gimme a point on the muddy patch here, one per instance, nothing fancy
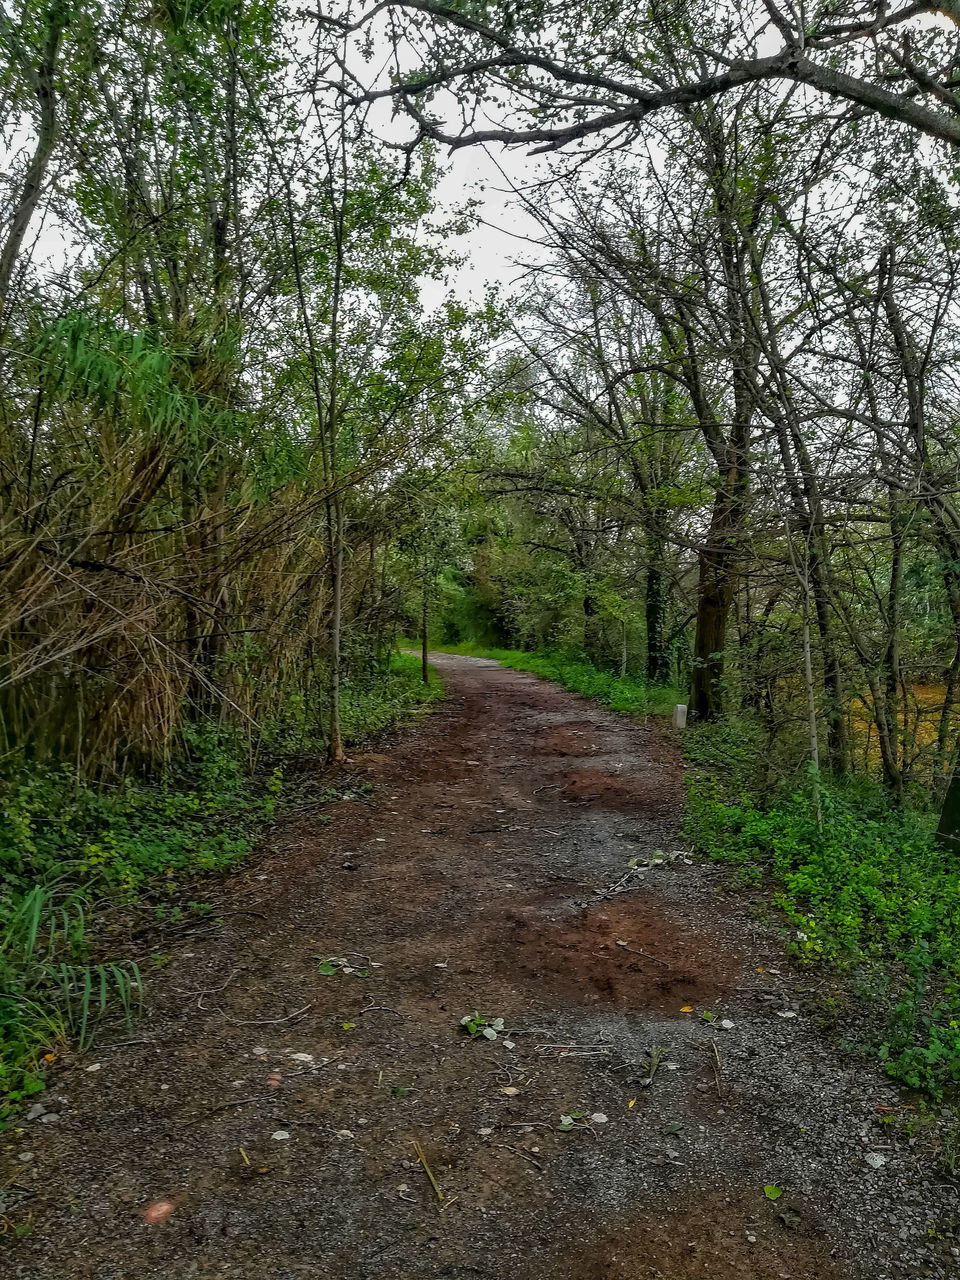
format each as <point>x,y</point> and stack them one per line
<point>721,1238</point>
<point>578,738</point>
<point>621,954</point>
<point>626,792</point>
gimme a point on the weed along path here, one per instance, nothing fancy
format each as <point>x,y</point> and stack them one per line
<point>644,1094</point>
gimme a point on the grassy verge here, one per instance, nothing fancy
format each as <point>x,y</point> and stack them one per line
<point>867,892</point>
<point>625,694</point>
<point>70,853</point>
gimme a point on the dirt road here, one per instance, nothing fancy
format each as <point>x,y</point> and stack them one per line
<point>263,1123</point>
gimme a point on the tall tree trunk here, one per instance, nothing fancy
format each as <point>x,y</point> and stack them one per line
<point>24,205</point>
<point>835,710</point>
<point>658,658</point>
<point>335,751</point>
<point>715,592</point>
<point>424,627</point>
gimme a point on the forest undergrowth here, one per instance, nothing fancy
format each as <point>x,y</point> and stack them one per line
<point>865,889</point>
<point>77,859</point>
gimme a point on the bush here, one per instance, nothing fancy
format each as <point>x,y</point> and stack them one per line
<point>871,890</point>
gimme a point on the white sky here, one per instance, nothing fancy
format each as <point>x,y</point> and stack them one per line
<point>496,248</point>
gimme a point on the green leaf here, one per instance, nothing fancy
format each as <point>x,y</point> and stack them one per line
<point>772,1193</point>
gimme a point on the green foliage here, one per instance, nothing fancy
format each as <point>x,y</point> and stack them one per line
<point>625,694</point>
<point>371,708</point>
<point>68,847</point>
<point>870,893</point>
<point>477,1025</point>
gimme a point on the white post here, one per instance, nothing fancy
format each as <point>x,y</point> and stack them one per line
<point>680,715</point>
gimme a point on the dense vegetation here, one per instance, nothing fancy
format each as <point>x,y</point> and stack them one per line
<point>708,451</point>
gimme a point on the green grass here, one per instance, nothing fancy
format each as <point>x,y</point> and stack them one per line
<point>625,694</point>
<point>71,851</point>
<point>869,893</point>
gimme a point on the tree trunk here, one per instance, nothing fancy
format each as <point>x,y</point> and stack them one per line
<point>715,591</point>
<point>948,831</point>
<point>424,622</point>
<point>28,197</point>
<point>335,752</point>
<point>658,659</point>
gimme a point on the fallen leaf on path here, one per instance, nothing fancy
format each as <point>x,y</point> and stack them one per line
<point>598,1118</point>
<point>280,1135</point>
<point>875,1160</point>
<point>687,1008</point>
<point>786,1013</point>
<point>511,1091</point>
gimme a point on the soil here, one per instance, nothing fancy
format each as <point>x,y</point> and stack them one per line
<point>516,856</point>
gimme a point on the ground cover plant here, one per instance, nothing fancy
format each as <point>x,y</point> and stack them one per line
<point>72,853</point>
<point>865,884</point>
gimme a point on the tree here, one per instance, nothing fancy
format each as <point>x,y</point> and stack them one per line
<point>559,76</point>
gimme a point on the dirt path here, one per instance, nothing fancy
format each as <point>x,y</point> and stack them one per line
<point>268,1110</point>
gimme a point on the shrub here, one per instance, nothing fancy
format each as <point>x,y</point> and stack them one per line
<point>871,890</point>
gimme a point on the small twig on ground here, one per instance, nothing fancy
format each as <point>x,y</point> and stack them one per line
<point>418,1151</point>
<point>505,1146</point>
<point>646,955</point>
<point>237,1102</point>
<point>221,1106</point>
<point>210,991</point>
<point>381,1008</point>
<point>554,786</point>
<point>265,1022</point>
<point>717,1067</point>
